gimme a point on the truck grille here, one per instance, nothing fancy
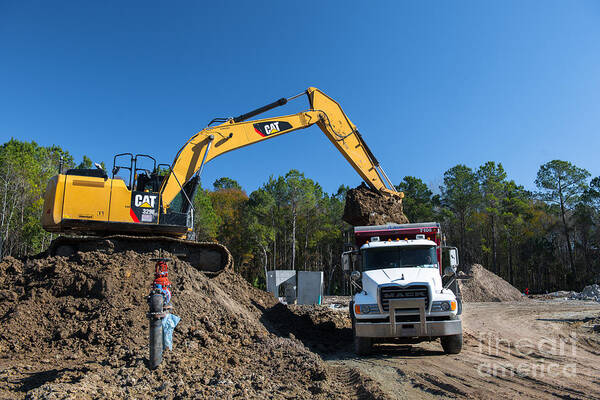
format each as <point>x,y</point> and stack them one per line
<point>396,292</point>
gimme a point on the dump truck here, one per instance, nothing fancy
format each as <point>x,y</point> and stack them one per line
<point>405,286</point>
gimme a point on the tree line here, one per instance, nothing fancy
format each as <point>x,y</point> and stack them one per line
<point>288,223</point>
<point>544,240</point>
<point>25,169</point>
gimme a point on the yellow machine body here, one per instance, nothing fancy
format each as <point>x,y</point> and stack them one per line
<point>74,203</point>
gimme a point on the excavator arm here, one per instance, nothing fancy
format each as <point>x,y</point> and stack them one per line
<point>235,133</point>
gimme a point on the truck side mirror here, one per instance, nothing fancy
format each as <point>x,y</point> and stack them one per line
<point>453,256</point>
<point>450,257</point>
<point>355,275</point>
<point>346,261</point>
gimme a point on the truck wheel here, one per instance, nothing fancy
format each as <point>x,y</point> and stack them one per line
<point>452,344</point>
<point>362,345</point>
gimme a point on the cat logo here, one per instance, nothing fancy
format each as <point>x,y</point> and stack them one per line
<point>144,200</point>
<point>268,128</point>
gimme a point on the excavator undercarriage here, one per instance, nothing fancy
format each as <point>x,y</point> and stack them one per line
<point>209,257</point>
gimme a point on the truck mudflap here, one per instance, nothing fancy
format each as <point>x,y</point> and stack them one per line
<point>421,328</point>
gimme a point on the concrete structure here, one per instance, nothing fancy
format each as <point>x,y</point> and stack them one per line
<point>310,287</point>
<point>285,277</point>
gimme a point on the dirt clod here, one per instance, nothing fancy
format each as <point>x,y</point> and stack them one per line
<point>364,206</point>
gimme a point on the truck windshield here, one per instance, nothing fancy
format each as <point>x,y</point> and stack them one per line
<point>400,257</point>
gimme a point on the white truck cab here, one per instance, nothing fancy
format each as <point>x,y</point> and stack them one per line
<point>399,293</point>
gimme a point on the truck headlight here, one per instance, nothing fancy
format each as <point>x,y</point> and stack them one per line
<point>367,308</point>
<point>444,305</point>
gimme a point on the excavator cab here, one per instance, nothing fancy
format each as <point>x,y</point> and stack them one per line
<point>130,201</point>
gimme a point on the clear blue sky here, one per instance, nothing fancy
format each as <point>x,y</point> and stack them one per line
<point>429,85</point>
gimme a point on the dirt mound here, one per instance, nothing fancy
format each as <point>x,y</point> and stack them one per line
<point>321,329</point>
<point>77,327</point>
<point>365,206</point>
<point>487,286</point>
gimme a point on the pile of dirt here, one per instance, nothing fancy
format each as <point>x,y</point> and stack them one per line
<point>77,327</point>
<point>364,206</point>
<point>487,286</point>
<point>321,329</point>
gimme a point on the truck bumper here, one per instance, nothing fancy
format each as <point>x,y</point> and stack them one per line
<point>421,328</point>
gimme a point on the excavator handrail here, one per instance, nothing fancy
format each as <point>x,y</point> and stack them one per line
<point>238,132</point>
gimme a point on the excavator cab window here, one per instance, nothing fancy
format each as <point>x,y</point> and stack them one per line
<point>159,175</point>
<point>139,172</point>
<point>144,167</point>
<point>144,182</point>
<point>123,162</point>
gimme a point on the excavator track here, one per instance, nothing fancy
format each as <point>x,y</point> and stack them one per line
<point>209,257</point>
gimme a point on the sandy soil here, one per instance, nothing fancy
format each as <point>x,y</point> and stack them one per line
<point>483,285</point>
<point>532,350</point>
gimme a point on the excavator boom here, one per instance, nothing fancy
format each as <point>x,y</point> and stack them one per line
<point>235,133</point>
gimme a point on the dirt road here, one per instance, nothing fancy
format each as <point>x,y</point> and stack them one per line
<point>532,350</point>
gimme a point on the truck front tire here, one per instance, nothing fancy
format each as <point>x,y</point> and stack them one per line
<point>452,344</point>
<point>362,345</point>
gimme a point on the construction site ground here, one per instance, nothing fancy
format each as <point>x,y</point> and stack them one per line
<point>76,328</point>
<point>540,349</point>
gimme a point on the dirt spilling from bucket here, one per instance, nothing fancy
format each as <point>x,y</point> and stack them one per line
<point>364,206</point>
<point>77,328</point>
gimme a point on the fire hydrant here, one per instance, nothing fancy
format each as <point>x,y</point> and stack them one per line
<point>160,308</point>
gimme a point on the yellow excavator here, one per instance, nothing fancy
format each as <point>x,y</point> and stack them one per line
<point>150,205</point>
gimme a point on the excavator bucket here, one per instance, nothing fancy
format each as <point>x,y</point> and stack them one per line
<point>365,206</point>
